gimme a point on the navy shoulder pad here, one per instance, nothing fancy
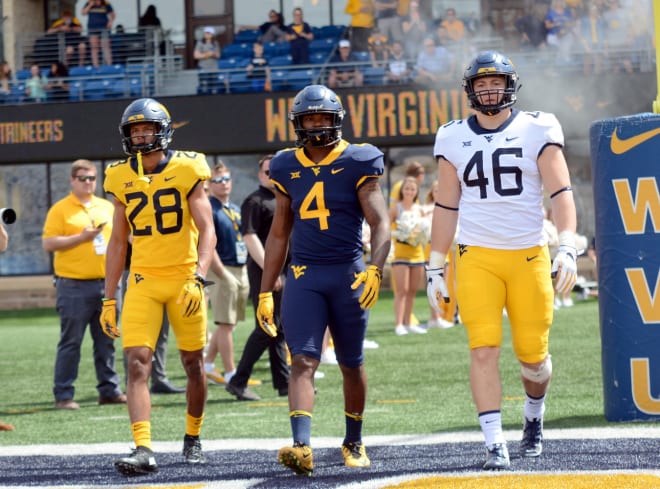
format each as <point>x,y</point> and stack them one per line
<point>365,152</point>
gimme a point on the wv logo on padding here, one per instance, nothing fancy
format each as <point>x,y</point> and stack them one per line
<point>298,270</point>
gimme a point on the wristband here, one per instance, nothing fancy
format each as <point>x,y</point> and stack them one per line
<point>437,259</point>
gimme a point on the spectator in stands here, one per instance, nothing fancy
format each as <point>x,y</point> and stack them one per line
<point>57,86</point>
<point>532,29</point>
<point>362,22</point>
<point>592,39</point>
<point>6,78</point>
<point>379,49</point>
<point>454,25</point>
<point>100,17</point>
<point>258,70</point>
<point>299,34</point>
<point>150,24</point>
<point>387,18</point>
<point>207,50</point>
<point>415,28</point>
<point>435,64</point>
<point>274,30</point>
<point>344,71</point>
<point>399,68</point>
<point>71,29</point>
<point>35,86</point>
<point>560,23</point>
<point>618,33</point>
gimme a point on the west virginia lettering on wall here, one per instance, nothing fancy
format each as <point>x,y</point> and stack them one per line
<point>378,115</point>
<point>37,131</point>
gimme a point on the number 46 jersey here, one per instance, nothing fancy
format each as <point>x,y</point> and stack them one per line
<point>501,204</point>
<point>164,233</point>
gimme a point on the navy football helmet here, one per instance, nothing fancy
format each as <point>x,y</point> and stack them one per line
<point>146,110</point>
<point>489,63</point>
<point>317,99</point>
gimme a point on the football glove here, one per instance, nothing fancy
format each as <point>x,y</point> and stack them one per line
<point>109,318</point>
<point>371,278</point>
<point>436,288</point>
<point>564,269</point>
<point>192,296</point>
<point>265,311</point>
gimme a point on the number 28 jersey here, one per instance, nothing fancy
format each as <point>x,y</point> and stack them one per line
<point>501,204</point>
<point>327,226</point>
<point>164,233</point>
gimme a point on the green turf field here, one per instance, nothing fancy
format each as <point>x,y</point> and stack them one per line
<point>417,384</point>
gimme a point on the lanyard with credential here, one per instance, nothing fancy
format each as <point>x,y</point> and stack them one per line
<point>241,249</point>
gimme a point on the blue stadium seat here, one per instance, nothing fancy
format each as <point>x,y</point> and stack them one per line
<point>75,89</point>
<point>279,80</point>
<point>97,89</point>
<point>362,55</point>
<point>239,83</point>
<point>75,71</point>
<point>22,74</point>
<point>319,58</point>
<point>373,75</point>
<point>332,31</point>
<point>212,82</point>
<point>16,94</point>
<point>126,87</point>
<point>236,50</point>
<point>299,79</point>
<point>322,45</point>
<point>247,35</point>
<point>116,69</point>
<point>276,49</point>
<point>285,60</point>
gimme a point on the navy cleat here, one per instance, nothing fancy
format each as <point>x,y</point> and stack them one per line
<point>498,457</point>
<point>192,450</point>
<point>532,439</point>
<point>141,461</point>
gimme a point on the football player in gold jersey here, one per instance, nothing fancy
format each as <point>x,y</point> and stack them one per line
<point>159,199</point>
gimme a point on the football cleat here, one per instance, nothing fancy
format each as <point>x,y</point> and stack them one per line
<point>140,461</point>
<point>215,377</point>
<point>298,458</point>
<point>532,439</point>
<point>355,455</point>
<point>192,450</point>
<point>498,457</point>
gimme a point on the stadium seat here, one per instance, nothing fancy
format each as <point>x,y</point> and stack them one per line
<point>373,75</point>
<point>75,90</point>
<point>299,79</point>
<point>279,80</point>
<point>212,82</point>
<point>322,45</point>
<point>80,71</point>
<point>276,49</point>
<point>319,58</point>
<point>239,83</point>
<point>97,89</point>
<point>247,36</point>
<point>126,87</point>
<point>115,69</point>
<point>22,75</point>
<point>362,56</point>
<point>332,31</point>
<point>285,60</point>
<point>236,50</point>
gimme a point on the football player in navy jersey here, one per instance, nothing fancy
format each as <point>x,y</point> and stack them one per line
<point>324,189</point>
<point>493,168</point>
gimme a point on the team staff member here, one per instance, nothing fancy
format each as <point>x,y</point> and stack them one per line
<point>493,168</point>
<point>229,296</point>
<point>325,189</point>
<point>76,231</point>
<point>159,198</point>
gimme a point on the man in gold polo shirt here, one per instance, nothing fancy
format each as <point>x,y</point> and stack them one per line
<point>76,231</point>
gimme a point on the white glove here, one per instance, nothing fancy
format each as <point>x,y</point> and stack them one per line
<point>436,288</point>
<point>564,269</point>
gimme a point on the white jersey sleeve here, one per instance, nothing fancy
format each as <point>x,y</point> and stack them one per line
<point>501,203</point>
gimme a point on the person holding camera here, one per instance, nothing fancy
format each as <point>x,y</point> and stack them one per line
<point>76,231</point>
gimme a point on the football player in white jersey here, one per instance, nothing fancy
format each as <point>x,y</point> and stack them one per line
<point>493,170</point>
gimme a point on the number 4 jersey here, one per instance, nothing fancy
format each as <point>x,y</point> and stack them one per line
<point>164,233</point>
<point>501,203</point>
<point>327,225</point>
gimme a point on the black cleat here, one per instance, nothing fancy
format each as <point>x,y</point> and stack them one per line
<point>532,439</point>
<point>498,457</point>
<point>242,394</point>
<point>192,450</point>
<point>141,461</point>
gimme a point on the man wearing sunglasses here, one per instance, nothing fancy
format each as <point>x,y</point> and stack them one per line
<point>76,231</point>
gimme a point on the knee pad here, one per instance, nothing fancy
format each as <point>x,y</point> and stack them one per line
<point>541,375</point>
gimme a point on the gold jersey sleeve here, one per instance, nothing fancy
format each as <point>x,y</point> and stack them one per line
<point>164,233</point>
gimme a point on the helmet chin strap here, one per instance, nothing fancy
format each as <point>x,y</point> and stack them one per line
<point>142,182</point>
